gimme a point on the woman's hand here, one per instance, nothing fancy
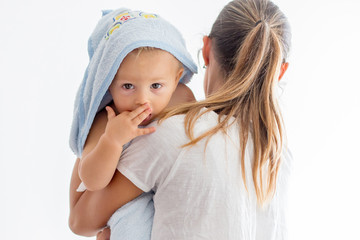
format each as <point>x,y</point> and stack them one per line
<point>104,234</point>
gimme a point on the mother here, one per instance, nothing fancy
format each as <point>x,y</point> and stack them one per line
<point>218,167</point>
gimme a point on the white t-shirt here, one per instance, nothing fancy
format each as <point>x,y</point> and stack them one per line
<point>200,194</point>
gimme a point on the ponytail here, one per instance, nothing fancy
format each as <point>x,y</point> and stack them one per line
<point>256,71</point>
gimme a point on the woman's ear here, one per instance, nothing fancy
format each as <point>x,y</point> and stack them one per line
<point>206,49</point>
<point>283,69</point>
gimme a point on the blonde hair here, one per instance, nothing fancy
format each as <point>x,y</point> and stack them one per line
<point>250,41</point>
<point>139,50</point>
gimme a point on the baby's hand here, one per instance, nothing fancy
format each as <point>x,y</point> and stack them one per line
<point>123,128</point>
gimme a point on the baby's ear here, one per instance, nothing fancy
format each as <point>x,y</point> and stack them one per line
<point>179,74</point>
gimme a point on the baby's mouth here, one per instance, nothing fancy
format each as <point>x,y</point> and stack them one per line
<point>146,121</point>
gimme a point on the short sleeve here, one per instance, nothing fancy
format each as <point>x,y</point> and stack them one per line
<point>149,159</point>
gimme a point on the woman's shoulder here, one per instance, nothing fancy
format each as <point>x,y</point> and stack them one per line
<point>170,129</point>
<point>177,122</point>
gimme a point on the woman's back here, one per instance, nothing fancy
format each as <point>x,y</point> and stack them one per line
<point>200,195</point>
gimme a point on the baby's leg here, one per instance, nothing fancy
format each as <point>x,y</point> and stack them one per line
<point>134,220</point>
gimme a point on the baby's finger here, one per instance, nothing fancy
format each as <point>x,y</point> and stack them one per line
<point>144,131</point>
<point>110,112</point>
<point>139,110</point>
<point>141,117</point>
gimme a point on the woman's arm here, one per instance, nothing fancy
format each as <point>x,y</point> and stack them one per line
<point>90,211</point>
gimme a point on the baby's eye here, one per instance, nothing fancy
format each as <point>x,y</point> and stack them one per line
<point>128,86</point>
<point>156,85</point>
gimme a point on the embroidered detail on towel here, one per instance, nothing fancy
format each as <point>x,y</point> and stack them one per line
<point>124,17</point>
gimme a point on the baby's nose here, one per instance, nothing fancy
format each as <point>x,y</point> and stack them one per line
<point>142,98</point>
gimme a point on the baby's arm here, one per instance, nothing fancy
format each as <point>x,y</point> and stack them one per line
<point>101,154</point>
<point>182,94</point>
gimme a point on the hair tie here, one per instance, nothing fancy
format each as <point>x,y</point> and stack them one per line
<point>258,22</point>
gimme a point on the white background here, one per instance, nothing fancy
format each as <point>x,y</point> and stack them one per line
<point>43,55</point>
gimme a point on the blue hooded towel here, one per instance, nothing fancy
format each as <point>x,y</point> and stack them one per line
<point>118,33</point>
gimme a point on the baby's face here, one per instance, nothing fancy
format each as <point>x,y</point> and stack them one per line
<point>150,77</point>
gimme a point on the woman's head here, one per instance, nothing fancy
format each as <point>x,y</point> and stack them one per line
<point>249,30</point>
<point>245,55</point>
